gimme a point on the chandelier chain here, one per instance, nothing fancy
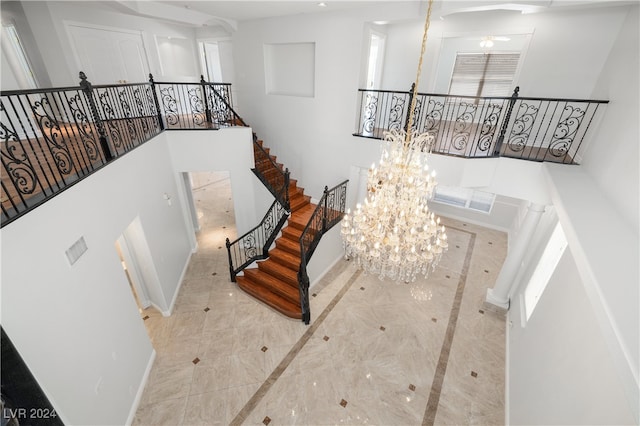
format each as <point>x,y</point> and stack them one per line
<point>393,234</point>
<point>414,96</point>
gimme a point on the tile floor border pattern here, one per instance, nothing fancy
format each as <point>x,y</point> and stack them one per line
<point>277,372</point>
<point>441,395</point>
<point>438,379</point>
<point>441,368</point>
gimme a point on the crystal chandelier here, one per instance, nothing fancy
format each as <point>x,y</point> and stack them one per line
<point>393,234</point>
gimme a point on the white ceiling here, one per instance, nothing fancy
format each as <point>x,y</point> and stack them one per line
<point>228,13</point>
<point>241,10</point>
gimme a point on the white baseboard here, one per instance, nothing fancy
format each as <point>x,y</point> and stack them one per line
<point>506,370</point>
<point>179,286</point>
<point>327,269</point>
<point>143,383</point>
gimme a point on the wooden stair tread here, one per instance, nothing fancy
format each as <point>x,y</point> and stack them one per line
<point>277,302</point>
<point>279,271</point>
<point>285,258</point>
<point>275,280</point>
<point>272,283</point>
<point>288,245</point>
<point>299,201</point>
<point>300,217</point>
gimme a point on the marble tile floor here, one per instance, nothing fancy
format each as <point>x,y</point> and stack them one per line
<point>375,352</point>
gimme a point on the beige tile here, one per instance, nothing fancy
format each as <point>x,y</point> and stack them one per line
<point>348,356</point>
<point>168,382</point>
<point>168,412</point>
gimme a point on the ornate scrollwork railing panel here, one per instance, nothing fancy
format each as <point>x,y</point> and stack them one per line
<point>220,105</point>
<point>255,244</point>
<point>328,213</point>
<point>20,178</point>
<point>538,129</point>
<point>51,138</point>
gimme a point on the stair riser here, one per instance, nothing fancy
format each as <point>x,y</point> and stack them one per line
<point>286,262</point>
<point>289,279</point>
<point>264,280</point>
<point>291,312</point>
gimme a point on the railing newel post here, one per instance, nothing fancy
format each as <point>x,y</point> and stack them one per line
<point>232,273</point>
<point>324,212</point>
<point>156,102</point>
<point>87,89</point>
<point>507,117</point>
<point>286,189</point>
<point>204,97</point>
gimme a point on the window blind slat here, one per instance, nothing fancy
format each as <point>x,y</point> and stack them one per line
<point>494,72</point>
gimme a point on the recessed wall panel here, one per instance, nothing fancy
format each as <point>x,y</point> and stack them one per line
<point>290,69</point>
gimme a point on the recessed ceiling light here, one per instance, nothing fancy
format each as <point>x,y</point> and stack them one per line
<point>381,22</point>
<point>322,4</point>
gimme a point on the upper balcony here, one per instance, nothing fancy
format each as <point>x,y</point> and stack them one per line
<point>537,129</point>
<point>53,138</point>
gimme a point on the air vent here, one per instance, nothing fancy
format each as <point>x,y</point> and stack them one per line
<point>76,251</point>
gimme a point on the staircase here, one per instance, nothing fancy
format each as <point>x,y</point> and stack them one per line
<point>275,280</point>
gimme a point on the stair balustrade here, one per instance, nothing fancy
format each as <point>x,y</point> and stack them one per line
<point>254,244</point>
<point>50,139</point>
<point>272,175</point>
<point>195,106</point>
<point>527,128</point>
<point>329,211</point>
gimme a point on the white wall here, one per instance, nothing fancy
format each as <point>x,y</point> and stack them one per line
<point>77,325</point>
<point>612,158</point>
<point>560,369</point>
<point>597,205</point>
<point>502,216</point>
<point>46,21</point>
<point>223,150</point>
<point>563,59</point>
<point>311,136</point>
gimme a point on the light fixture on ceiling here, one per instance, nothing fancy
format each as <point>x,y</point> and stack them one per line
<point>489,41</point>
<point>393,234</point>
<point>486,43</point>
<point>322,4</point>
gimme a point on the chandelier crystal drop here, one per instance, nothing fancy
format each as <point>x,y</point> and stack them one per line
<point>393,234</point>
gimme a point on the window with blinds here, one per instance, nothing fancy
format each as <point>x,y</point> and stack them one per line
<point>484,74</point>
<point>464,197</point>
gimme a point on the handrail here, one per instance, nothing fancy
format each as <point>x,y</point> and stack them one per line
<point>329,211</point>
<point>254,244</point>
<point>528,128</point>
<point>54,137</point>
<point>271,174</point>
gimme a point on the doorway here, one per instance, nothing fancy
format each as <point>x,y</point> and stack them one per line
<point>137,264</point>
<point>130,270</point>
<point>211,68</point>
<point>109,56</point>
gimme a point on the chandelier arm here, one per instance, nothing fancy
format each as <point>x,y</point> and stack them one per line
<point>393,234</point>
<point>414,96</point>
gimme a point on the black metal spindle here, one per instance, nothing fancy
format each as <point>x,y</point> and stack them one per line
<point>203,85</point>
<point>88,91</point>
<point>505,123</point>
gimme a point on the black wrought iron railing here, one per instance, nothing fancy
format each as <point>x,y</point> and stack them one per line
<point>254,244</point>
<point>195,106</point>
<point>329,211</point>
<point>538,129</point>
<point>271,174</point>
<point>50,139</point>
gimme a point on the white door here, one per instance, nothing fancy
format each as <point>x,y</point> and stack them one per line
<point>108,56</point>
